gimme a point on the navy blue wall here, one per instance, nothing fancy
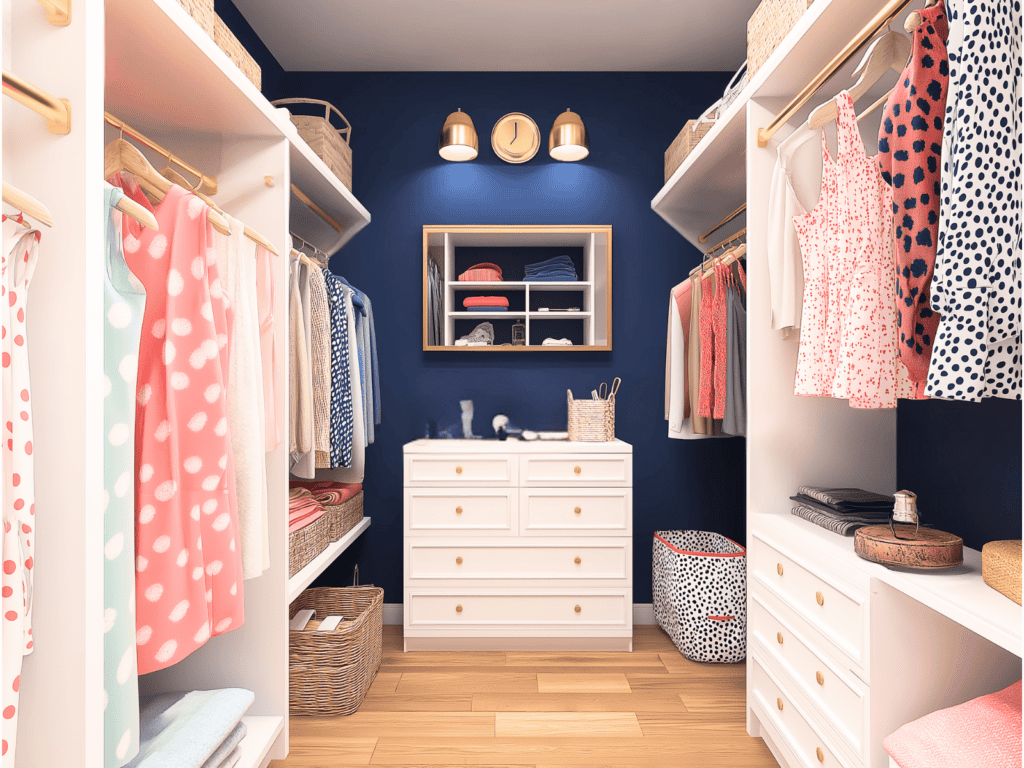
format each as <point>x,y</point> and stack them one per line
<point>400,178</point>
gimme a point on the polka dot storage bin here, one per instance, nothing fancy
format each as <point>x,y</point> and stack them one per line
<point>700,594</point>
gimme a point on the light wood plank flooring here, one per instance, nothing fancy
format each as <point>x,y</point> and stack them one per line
<point>651,707</point>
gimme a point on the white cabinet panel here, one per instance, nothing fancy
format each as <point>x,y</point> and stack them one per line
<point>576,511</point>
<point>460,470</point>
<point>473,511</point>
<point>569,470</point>
<point>514,610</point>
<point>539,560</point>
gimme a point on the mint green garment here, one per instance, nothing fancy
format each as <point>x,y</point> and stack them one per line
<point>124,301</point>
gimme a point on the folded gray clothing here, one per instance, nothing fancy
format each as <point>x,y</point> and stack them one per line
<point>219,759</point>
<point>482,334</point>
<point>232,759</point>
<point>865,516</point>
<point>848,499</point>
<point>182,730</point>
<point>841,526</point>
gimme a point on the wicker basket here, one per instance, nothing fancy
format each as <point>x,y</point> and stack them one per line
<point>227,42</point>
<point>769,24</point>
<point>690,137</point>
<point>591,421</point>
<point>1001,567</point>
<point>202,12</point>
<point>331,671</point>
<point>306,543</point>
<point>343,517</point>
<point>332,145</point>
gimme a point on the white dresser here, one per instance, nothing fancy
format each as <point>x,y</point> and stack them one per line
<point>518,545</point>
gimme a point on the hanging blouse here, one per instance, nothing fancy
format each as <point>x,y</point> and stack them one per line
<point>720,325</point>
<point>735,420</point>
<point>909,153</point>
<point>265,306</point>
<point>341,379</point>
<point>300,389</point>
<point>976,287</point>
<point>355,471</point>
<point>188,563</point>
<point>320,322</point>
<point>124,302</point>
<point>20,252</point>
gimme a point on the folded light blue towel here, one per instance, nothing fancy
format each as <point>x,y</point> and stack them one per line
<point>220,758</point>
<point>182,730</point>
<point>232,760</point>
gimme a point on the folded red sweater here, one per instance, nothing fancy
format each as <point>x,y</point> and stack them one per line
<point>485,301</point>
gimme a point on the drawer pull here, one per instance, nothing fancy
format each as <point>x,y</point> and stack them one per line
<point>779,702</point>
<point>458,470</point>
<point>458,608</point>
<point>458,510</point>
<point>577,469</point>
<point>820,598</point>
<point>779,568</point>
<point>578,609</point>
<point>578,511</point>
<point>577,560</point>
<point>458,560</point>
<point>820,678</point>
<point>778,636</point>
<point>821,755</point>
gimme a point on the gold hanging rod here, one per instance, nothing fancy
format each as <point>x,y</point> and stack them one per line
<point>56,111</point>
<point>704,238</point>
<point>303,197</point>
<point>881,19</point>
<point>207,184</point>
<point>58,12</point>
<point>316,252</point>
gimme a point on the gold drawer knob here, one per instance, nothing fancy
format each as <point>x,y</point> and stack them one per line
<point>778,636</point>
<point>820,598</point>
<point>458,608</point>
<point>779,702</point>
<point>821,755</point>
<point>577,560</point>
<point>577,469</point>
<point>779,568</point>
<point>458,510</point>
<point>578,511</point>
<point>578,609</point>
<point>458,470</point>
<point>820,678</point>
<point>458,560</point>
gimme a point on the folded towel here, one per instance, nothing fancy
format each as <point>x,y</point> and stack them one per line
<point>838,525</point>
<point>485,272</point>
<point>219,759</point>
<point>466,343</point>
<point>556,343</point>
<point>232,759</point>
<point>552,262</point>
<point>485,301</point>
<point>330,494</point>
<point>182,730</point>
<point>848,498</point>
<point>487,309</point>
<point>560,278</point>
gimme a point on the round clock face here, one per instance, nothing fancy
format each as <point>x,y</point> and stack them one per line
<point>515,138</point>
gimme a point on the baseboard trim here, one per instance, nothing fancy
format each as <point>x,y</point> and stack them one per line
<point>643,613</point>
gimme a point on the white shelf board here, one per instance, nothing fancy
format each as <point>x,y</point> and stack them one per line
<point>563,286</point>
<point>260,735</point>
<point>487,315</point>
<point>516,285</point>
<point>560,315</point>
<point>318,564</point>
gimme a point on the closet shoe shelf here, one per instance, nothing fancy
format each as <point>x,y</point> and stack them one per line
<point>319,564</point>
<point>261,733</point>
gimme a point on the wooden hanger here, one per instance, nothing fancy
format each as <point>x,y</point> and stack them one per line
<point>27,204</point>
<point>915,19</point>
<point>890,51</point>
<point>141,214</point>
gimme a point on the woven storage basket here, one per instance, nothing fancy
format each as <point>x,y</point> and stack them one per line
<point>332,145</point>
<point>227,42</point>
<point>690,137</point>
<point>202,12</point>
<point>343,517</point>
<point>331,671</point>
<point>306,543</point>
<point>1001,567</point>
<point>591,421</point>
<point>769,24</point>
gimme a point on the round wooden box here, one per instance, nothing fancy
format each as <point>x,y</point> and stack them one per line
<point>927,549</point>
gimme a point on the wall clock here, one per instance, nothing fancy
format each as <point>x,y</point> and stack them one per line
<point>515,138</point>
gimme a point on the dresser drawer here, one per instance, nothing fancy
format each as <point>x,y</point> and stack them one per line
<point>460,469</point>
<point>482,560</point>
<point>801,737</point>
<point>517,610</point>
<point>476,511</point>
<point>572,470</point>
<point>841,616</point>
<point>576,512</point>
<point>842,700</point>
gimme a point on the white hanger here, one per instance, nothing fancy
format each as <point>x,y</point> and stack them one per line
<point>890,51</point>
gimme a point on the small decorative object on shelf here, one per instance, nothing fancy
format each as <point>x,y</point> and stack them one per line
<point>904,543</point>
<point>1001,567</point>
<point>518,333</point>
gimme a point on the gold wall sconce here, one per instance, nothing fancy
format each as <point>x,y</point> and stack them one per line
<point>568,141</point>
<point>458,142</point>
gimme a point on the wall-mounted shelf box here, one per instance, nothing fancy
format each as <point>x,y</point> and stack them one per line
<point>580,311</point>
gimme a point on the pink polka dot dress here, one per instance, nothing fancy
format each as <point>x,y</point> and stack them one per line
<point>18,262</point>
<point>188,558</point>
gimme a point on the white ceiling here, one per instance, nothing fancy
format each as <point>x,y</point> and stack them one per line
<point>502,35</point>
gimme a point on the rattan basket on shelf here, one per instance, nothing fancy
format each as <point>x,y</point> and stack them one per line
<point>591,421</point>
<point>332,145</point>
<point>343,517</point>
<point>306,543</point>
<point>768,25</point>
<point>1001,567</point>
<point>202,12</point>
<point>227,42</point>
<point>331,671</point>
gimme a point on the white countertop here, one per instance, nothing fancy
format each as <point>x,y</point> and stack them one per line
<point>514,445</point>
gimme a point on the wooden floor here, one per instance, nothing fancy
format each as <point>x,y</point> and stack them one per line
<point>651,707</point>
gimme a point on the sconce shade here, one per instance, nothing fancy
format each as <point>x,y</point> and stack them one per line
<point>568,141</point>
<point>458,141</point>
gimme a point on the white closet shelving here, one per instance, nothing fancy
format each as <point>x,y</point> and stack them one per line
<point>149,64</point>
<point>318,564</point>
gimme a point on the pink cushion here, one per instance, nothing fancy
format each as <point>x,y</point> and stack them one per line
<point>982,732</point>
